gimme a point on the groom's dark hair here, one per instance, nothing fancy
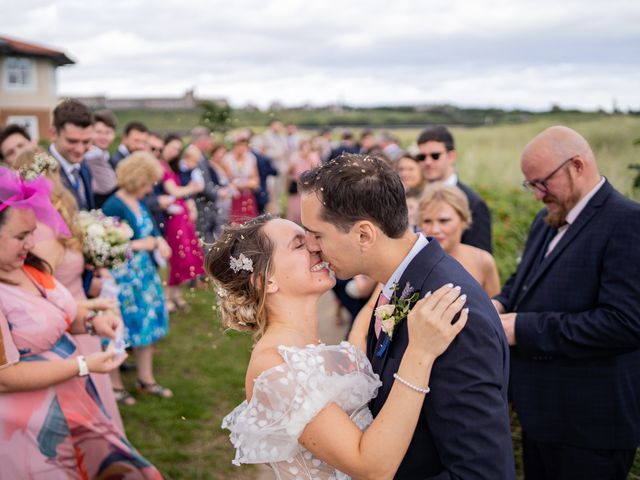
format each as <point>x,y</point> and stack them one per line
<point>355,187</point>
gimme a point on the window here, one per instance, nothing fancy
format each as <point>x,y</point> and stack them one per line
<point>19,73</point>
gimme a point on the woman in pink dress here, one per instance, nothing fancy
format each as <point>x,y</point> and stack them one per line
<point>187,258</point>
<point>242,167</point>
<point>52,421</point>
<point>304,159</point>
<point>64,256</point>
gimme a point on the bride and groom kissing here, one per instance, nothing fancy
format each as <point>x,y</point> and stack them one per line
<point>427,400</point>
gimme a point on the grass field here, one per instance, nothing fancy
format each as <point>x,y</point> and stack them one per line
<point>205,367</point>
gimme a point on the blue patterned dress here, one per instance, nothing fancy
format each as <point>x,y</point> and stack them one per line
<point>141,297</point>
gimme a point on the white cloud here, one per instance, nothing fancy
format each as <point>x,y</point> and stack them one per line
<point>494,52</point>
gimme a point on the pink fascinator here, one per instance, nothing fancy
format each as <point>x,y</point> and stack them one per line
<point>32,194</point>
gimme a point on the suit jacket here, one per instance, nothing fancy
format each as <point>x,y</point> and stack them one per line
<point>265,169</point>
<point>479,235</point>
<point>463,430</point>
<point>118,155</point>
<point>69,183</point>
<point>575,375</point>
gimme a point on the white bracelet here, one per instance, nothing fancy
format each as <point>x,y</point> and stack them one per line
<point>411,385</point>
<point>83,368</point>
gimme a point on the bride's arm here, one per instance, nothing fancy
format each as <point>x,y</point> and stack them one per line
<point>377,452</point>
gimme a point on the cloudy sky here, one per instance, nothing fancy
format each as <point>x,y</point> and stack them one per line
<point>505,53</point>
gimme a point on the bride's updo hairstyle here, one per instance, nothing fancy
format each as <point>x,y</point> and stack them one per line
<point>239,263</point>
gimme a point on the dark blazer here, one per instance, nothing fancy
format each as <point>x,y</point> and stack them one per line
<point>68,183</point>
<point>265,169</point>
<point>575,370</point>
<point>479,235</point>
<point>118,155</point>
<point>463,431</point>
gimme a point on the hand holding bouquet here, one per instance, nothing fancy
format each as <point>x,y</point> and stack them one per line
<point>107,241</point>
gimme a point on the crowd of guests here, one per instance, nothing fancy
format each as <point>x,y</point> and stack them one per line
<point>573,370</point>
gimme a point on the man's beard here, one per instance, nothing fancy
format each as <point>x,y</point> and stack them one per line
<point>558,218</point>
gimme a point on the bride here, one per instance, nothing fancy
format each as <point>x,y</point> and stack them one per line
<point>306,408</point>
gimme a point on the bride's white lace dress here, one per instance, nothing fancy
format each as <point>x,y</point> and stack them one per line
<point>287,397</point>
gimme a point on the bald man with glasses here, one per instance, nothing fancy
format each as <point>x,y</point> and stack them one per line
<point>437,156</point>
<point>571,313</point>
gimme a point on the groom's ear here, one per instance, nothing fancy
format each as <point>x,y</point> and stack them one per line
<point>367,235</point>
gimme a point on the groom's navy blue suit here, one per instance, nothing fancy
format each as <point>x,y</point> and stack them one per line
<point>463,431</point>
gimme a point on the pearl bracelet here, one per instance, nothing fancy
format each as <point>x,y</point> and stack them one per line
<point>411,385</point>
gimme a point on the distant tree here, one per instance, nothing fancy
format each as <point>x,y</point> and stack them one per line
<point>214,116</point>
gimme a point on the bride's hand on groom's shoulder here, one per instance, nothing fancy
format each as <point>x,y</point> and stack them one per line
<point>429,322</point>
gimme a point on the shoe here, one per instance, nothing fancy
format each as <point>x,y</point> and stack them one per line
<point>171,306</point>
<point>123,397</point>
<point>182,304</point>
<point>153,389</point>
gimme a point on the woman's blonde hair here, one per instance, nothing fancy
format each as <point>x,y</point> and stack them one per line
<point>242,292</point>
<point>451,195</point>
<point>138,170</point>
<point>61,198</point>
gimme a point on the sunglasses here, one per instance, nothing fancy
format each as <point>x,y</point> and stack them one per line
<point>421,157</point>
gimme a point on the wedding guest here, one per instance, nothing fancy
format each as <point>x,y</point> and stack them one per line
<point>243,171</point>
<point>390,147</point>
<point>13,140</point>
<point>301,161</point>
<point>187,258</point>
<point>277,149</point>
<point>134,139</point>
<point>266,169</point>
<point>141,297</point>
<point>571,314</point>
<point>157,201</point>
<point>103,177</point>
<point>72,134</point>
<point>64,255</point>
<point>219,173</point>
<point>52,419</point>
<point>444,213</point>
<point>438,157</point>
<point>410,173</point>
<point>367,142</point>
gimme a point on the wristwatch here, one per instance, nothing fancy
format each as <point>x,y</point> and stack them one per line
<point>83,368</point>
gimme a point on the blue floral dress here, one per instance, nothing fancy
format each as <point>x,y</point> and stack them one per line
<point>141,296</point>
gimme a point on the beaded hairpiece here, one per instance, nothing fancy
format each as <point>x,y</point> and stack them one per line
<point>241,263</point>
<point>42,163</point>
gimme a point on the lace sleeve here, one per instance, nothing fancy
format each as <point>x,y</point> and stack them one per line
<point>287,397</point>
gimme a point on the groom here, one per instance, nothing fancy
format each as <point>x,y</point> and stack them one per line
<point>355,213</point>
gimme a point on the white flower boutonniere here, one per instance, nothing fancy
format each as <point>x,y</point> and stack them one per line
<point>397,309</point>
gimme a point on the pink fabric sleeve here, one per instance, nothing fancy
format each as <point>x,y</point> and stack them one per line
<point>8,352</point>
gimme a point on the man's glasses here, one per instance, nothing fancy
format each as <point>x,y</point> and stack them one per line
<point>421,157</point>
<point>541,185</point>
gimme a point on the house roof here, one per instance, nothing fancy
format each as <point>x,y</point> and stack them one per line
<point>11,46</point>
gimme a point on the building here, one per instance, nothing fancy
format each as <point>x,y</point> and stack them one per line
<point>28,87</point>
<point>188,101</point>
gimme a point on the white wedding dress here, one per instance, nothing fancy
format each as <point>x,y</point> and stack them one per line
<point>287,397</point>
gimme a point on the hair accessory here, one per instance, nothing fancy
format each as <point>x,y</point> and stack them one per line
<point>42,163</point>
<point>31,194</point>
<point>241,263</point>
<point>221,292</point>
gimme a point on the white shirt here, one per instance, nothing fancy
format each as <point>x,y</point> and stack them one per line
<point>572,215</point>
<point>421,242</point>
<point>452,181</point>
<point>68,167</point>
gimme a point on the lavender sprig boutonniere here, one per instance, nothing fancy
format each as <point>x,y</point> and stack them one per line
<point>394,312</point>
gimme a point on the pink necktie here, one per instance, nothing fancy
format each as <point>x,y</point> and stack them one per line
<point>382,300</point>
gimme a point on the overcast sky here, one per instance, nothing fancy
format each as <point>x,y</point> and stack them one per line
<point>505,53</point>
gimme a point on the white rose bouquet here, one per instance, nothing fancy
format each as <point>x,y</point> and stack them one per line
<point>107,240</point>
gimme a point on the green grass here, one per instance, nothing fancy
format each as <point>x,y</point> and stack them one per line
<point>205,369</point>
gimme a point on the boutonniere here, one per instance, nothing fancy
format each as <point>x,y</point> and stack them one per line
<point>394,312</point>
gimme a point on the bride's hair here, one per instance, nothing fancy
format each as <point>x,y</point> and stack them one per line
<point>241,289</point>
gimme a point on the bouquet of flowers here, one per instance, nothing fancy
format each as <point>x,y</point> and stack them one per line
<point>107,241</point>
